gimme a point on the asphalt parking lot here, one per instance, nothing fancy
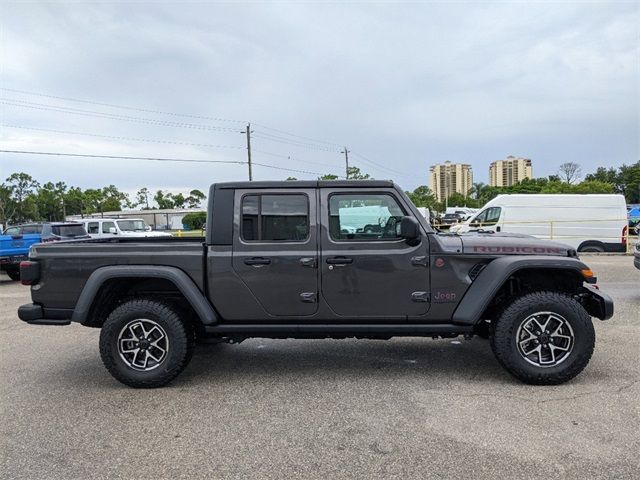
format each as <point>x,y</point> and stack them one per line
<point>405,408</point>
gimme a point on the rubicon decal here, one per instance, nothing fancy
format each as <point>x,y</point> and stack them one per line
<point>525,250</point>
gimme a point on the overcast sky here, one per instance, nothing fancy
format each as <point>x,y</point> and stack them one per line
<point>403,85</point>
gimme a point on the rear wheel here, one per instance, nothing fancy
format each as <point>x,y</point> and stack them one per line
<point>145,344</point>
<point>13,273</point>
<point>544,338</point>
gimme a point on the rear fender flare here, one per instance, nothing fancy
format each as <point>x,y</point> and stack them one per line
<point>176,276</point>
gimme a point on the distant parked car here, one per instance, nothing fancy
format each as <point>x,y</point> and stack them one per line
<point>452,218</point>
<point>14,247</point>
<point>122,227</point>
<point>54,232</point>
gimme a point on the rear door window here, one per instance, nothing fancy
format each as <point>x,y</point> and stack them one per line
<point>107,225</point>
<point>68,230</point>
<point>93,227</point>
<point>31,229</point>
<point>275,218</point>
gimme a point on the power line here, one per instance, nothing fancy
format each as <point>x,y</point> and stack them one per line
<point>159,159</point>
<point>117,137</point>
<point>294,143</point>
<point>112,105</point>
<point>365,159</point>
<point>118,157</point>
<point>110,116</point>
<point>297,136</point>
<point>291,157</point>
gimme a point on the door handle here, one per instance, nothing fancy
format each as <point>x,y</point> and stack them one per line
<point>339,260</point>
<point>308,262</point>
<point>257,261</point>
<point>497,228</point>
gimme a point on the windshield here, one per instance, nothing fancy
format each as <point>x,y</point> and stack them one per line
<point>68,230</point>
<point>451,215</point>
<point>132,225</point>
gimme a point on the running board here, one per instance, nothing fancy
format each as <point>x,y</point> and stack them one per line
<point>327,330</point>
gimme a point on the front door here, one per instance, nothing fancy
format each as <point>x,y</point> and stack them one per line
<point>275,251</point>
<point>367,270</point>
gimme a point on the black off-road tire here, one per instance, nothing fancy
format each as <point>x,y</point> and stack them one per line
<point>179,333</point>
<point>504,342</point>
<point>13,274</point>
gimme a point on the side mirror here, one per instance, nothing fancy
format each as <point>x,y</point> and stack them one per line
<point>409,228</point>
<point>113,230</point>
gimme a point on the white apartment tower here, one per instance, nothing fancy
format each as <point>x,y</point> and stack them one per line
<point>504,173</point>
<point>448,178</point>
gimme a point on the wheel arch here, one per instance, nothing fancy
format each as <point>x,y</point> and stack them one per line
<point>105,283</point>
<point>592,243</point>
<point>498,274</point>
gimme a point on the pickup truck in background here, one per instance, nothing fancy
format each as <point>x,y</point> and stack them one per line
<point>124,227</point>
<point>15,242</point>
<point>318,259</point>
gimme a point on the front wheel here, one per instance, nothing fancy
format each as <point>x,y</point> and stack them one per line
<point>145,344</point>
<point>544,338</point>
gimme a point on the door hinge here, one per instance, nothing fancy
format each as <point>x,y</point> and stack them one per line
<point>308,297</point>
<point>420,261</point>
<point>420,297</point>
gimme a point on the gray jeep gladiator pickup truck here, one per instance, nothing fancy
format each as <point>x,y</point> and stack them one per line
<point>318,259</point>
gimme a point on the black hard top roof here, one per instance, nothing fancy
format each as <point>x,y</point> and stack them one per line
<point>307,184</point>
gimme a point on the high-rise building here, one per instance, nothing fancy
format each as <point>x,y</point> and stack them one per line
<point>504,173</point>
<point>448,178</point>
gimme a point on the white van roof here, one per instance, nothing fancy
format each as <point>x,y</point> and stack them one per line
<point>557,200</point>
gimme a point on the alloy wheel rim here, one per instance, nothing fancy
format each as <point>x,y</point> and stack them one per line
<point>545,339</point>
<point>143,344</point>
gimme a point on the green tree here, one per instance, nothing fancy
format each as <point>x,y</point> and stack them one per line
<point>195,220</point>
<point>23,188</point>
<point>423,197</point>
<point>195,198</point>
<point>354,173</point>
<point>328,176</point>
<point>8,205</point>
<point>74,201</point>
<point>142,198</point>
<point>49,203</point>
<point>164,200</point>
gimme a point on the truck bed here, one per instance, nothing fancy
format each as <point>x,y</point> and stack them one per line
<point>66,266</point>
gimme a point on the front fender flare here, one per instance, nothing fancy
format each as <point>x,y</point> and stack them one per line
<point>176,276</point>
<point>493,277</point>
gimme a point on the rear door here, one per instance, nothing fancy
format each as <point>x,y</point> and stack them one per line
<point>367,270</point>
<point>275,249</point>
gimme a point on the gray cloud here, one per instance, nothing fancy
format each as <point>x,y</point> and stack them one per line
<point>406,85</point>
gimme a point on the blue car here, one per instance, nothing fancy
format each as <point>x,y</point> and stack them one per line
<point>14,247</point>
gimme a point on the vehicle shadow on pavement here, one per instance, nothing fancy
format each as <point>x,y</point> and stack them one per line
<point>284,359</point>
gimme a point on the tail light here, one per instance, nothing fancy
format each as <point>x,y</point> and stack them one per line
<point>624,235</point>
<point>29,272</point>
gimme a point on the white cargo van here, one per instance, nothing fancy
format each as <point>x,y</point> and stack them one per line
<point>589,223</point>
<point>125,227</point>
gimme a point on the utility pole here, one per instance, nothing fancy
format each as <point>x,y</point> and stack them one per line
<point>346,160</point>
<point>248,131</point>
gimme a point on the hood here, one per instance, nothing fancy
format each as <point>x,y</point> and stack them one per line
<point>512,244</point>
